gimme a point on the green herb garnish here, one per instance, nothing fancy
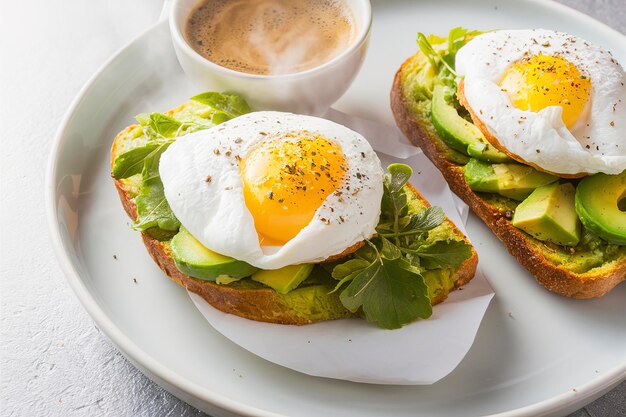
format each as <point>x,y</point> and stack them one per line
<point>384,279</point>
<point>131,162</point>
<point>457,38</point>
<point>153,209</point>
<point>159,126</point>
<point>441,54</point>
<point>154,214</point>
<point>231,105</point>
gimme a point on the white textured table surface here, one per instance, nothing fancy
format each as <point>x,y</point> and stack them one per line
<point>53,361</point>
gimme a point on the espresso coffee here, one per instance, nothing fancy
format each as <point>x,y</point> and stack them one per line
<point>270,36</point>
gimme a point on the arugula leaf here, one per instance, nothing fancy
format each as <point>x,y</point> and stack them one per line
<point>458,37</point>
<point>434,58</point>
<point>220,117</point>
<point>232,105</point>
<point>164,125</point>
<point>442,59</point>
<point>427,49</point>
<point>425,220</point>
<point>348,271</point>
<point>434,39</point>
<point>154,214</point>
<point>151,162</point>
<point>153,209</point>
<point>160,234</point>
<point>345,269</point>
<point>131,162</point>
<point>143,119</point>
<point>443,254</point>
<point>159,125</point>
<point>388,250</point>
<point>390,293</point>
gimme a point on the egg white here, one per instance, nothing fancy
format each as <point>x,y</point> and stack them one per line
<point>203,186</point>
<point>598,141</point>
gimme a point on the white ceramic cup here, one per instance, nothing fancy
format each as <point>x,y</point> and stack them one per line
<point>308,92</point>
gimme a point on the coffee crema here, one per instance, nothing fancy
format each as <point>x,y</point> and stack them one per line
<point>270,37</point>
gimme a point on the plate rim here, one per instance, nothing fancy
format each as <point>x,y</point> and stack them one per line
<point>193,393</point>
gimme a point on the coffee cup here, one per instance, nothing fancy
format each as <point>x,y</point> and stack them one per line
<point>311,91</point>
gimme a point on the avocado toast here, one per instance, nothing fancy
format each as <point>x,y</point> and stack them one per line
<point>573,261</point>
<point>296,294</point>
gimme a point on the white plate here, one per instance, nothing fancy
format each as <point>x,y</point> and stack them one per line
<point>535,353</point>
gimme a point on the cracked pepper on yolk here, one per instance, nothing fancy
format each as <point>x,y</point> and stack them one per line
<point>540,81</point>
<point>286,179</point>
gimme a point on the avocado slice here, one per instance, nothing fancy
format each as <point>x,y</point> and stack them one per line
<point>548,214</point>
<point>284,279</point>
<point>195,260</point>
<point>515,181</point>
<point>460,134</point>
<point>600,204</point>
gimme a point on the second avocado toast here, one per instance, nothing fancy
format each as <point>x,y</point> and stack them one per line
<point>425,103</point>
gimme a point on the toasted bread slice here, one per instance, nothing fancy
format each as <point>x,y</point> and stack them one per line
<point>552,266</point>
<point>252,300</point>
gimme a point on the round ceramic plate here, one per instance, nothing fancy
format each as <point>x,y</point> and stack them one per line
<point>535,353</point>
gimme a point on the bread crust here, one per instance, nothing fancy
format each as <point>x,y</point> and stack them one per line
<point>262,304</point>
<point>556,279</point>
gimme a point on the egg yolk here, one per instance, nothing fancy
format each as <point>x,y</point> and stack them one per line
<point>540,81</point>
<point>286,179</point>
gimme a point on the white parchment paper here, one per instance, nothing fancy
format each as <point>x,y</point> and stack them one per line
<point>420,353</point>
